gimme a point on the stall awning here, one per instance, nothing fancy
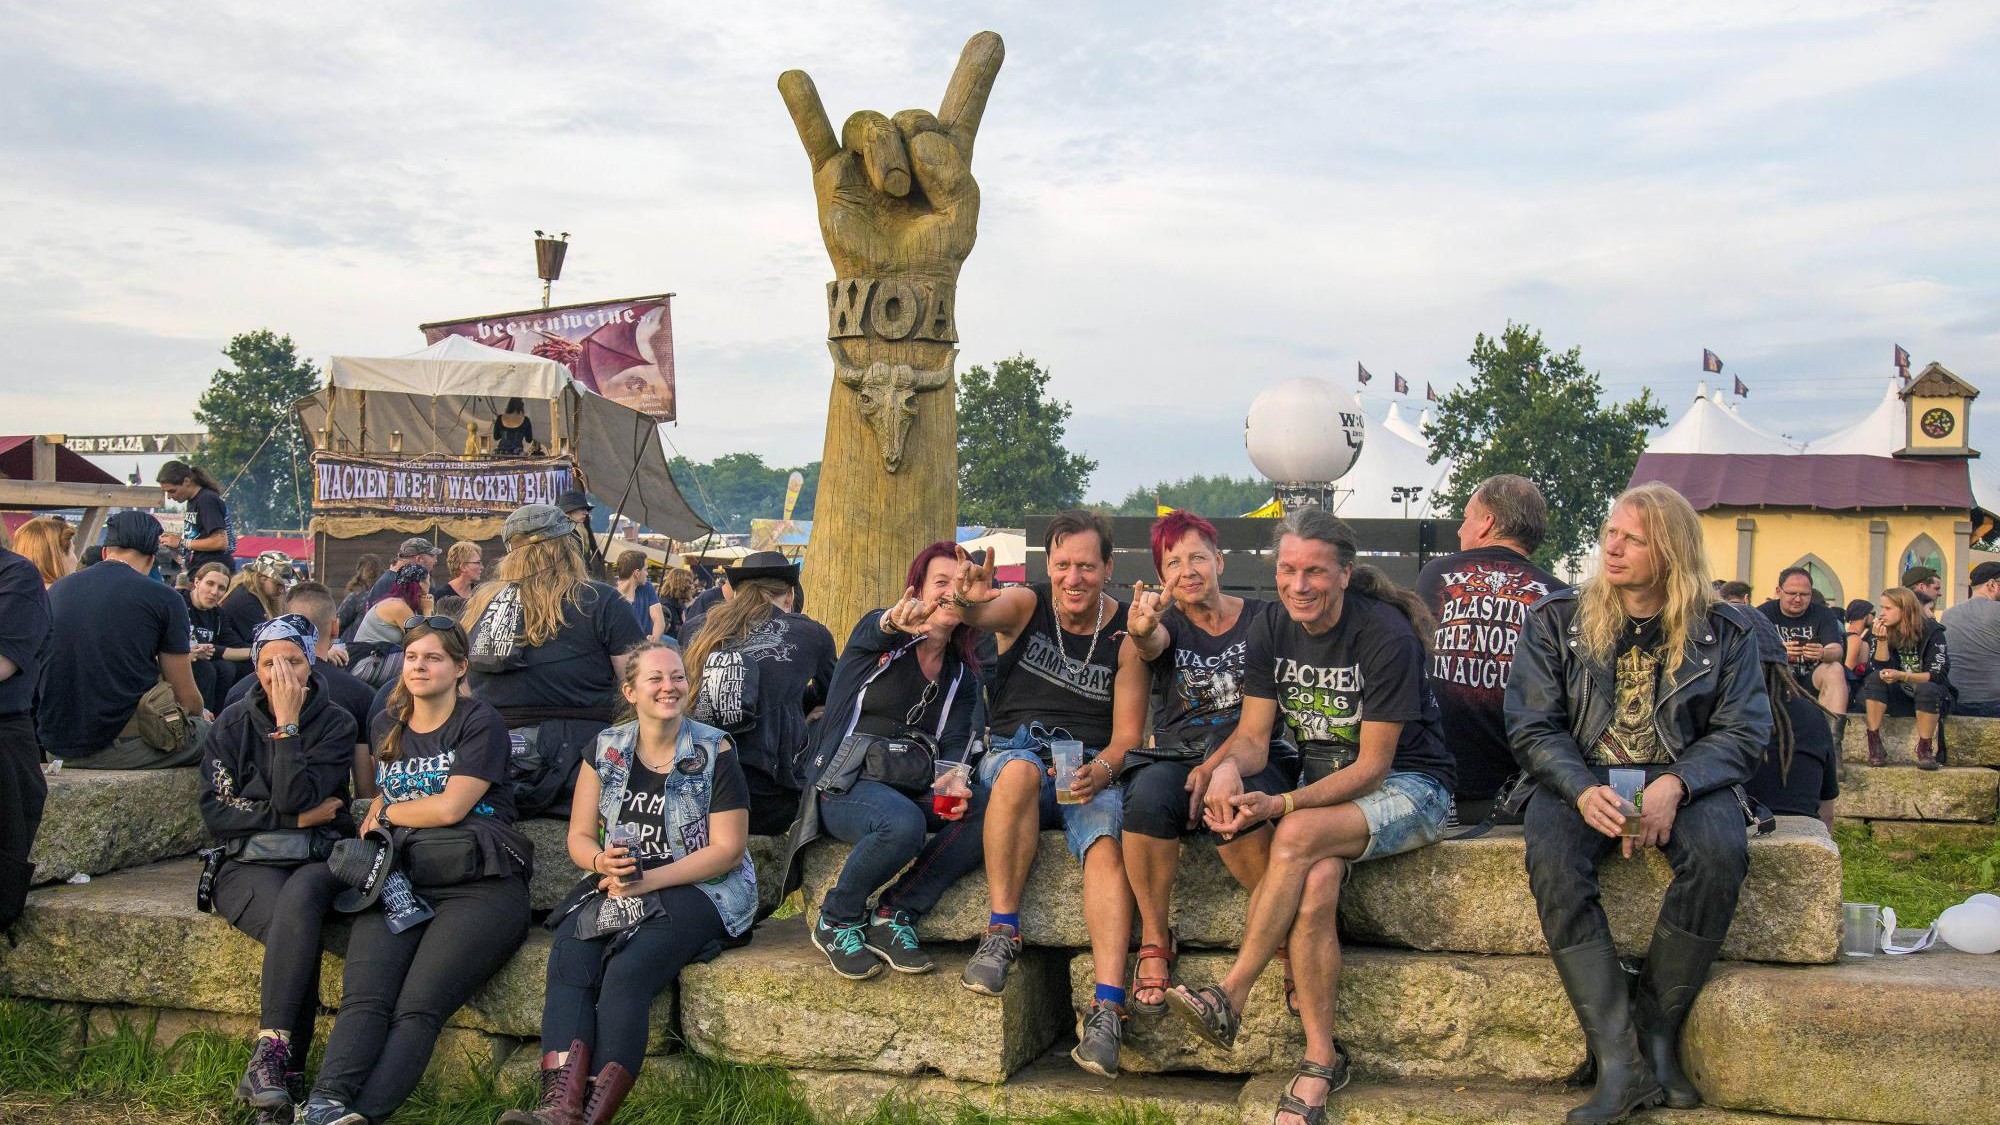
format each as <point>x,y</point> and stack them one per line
<point>1835,482</point>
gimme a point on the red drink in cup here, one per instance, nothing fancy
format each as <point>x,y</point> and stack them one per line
<point>951,790</point>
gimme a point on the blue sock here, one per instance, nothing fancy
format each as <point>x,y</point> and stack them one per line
<point>1013,920</point>
<point>1111,994</point>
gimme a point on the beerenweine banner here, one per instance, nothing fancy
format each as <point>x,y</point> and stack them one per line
<point>347,484</point>
<point>622,349</point>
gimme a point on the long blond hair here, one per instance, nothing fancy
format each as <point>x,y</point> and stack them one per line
<point>246,579</point>
<point>40,541</point>
<point>729,623</point>
<point>1908,631</point>
<point>551,576</point>
<point>1673,535</point>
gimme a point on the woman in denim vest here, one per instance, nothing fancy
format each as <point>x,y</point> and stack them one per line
<point>661,820</point>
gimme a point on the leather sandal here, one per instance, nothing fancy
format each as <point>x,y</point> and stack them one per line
<point>1169,953</point>
<point>1335,1077</point>
<point>1208,1011</point>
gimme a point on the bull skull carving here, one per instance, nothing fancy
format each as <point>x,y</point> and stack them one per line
<point>888,393</point>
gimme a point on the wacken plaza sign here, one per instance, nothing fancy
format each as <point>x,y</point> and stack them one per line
<point>345,483</point>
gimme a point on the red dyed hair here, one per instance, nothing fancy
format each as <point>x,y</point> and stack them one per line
<point>962,637</point>
<point>1172,528</point>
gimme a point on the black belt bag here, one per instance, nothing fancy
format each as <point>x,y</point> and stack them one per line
<point>283,847</point>
<point>1319,759</point>
<point>441,857</point>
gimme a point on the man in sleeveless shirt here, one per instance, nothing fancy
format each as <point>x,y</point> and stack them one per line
<point>1059,650</point>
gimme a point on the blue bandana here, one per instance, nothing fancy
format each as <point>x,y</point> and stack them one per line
<point>287,627</point>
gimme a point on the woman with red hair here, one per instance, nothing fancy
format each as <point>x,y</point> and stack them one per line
<point>901,700</point>
<point>1193,639</point>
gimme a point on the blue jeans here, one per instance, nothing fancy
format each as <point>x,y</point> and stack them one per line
<point>887,830</point>
<point>1082,825</point>
<point>1976,708</point>
<point>1408,810</point>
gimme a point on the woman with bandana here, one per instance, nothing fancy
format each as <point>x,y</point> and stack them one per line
<point>274,794</point>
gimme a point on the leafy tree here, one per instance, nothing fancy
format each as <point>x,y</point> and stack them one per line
<point>1216,497</point>
<point>1011,459</point>
<point>255,447</point>
<point>736,488</point>
<point>1540,414</point>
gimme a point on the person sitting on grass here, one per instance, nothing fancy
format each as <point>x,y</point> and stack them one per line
<point>1909,657</point>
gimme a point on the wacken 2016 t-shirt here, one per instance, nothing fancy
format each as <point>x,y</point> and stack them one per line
<point>1200,676</point>
<point>471,743</point>
<point>1481,598</point>
<point>1368,668</point>
<point>1059,679</point>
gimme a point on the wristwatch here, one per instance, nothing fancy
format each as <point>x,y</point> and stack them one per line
<point>289,730</point>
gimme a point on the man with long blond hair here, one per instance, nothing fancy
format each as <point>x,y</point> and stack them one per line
<point>1641,668</point>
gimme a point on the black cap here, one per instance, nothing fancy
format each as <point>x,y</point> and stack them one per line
<point>133,531</point>
<point>1985,572</point>
<point>573,501</point>
<point>1859,609</point>
<point>1917,576</point>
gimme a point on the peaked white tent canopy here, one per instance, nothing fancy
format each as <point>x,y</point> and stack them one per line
<point>1711,426</point>
<point>424,402</point>
<point>1388,459</point>
<point>1879,434</point>
<point>1403,428</point>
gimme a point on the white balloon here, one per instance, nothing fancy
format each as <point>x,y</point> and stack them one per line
<point>1304,431</point>
<point>1990,900</point>
<point>1971,927</point>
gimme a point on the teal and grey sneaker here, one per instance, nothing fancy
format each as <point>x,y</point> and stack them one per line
<point>845,949</point>
<point>986,971</point>
<point>1097,1037</point>
<point>893,938</point>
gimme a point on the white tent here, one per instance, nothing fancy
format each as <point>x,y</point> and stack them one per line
<point>1403,428</point>
<point>1712,426</point>
<point>1880,434</point>
<point>424,402</point>
<point>1388,459</point>
<point>1005,548</point>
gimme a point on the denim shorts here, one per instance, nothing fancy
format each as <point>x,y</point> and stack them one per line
<point>1082,825</point>
<point>1408,811</point>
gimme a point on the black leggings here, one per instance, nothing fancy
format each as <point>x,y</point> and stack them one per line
<point>23,792</point>
<point>1929,695</point>
<point>285,909</point>
<point>604,996</point>
<point>399,988</point>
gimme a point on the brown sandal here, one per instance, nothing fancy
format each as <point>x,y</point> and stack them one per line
<point>1208,1012</point>
<point>1169,953</point>
<point>1334,1076</point>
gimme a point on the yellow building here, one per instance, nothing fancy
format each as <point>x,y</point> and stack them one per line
<point>1900,488</point>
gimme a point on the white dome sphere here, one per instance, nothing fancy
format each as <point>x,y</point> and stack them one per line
<point>1304,431</point>
<point>1971,927</point>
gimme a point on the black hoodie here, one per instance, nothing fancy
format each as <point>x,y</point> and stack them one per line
<point>251,783</point>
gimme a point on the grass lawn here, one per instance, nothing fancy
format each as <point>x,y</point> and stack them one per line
<point>1920,882</point>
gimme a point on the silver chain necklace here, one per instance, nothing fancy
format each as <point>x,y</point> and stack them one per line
<point>1062,646</point>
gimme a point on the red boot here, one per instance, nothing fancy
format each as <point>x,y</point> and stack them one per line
<point>1876,755</point>
<point>565,1083</point>
<point>607,1093</point>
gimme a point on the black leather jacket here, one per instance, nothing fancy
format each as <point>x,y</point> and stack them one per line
<point>1713,714</point>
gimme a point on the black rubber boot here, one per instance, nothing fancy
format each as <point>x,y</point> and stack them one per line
<point>1595,982</point>
<point>1676,966</point>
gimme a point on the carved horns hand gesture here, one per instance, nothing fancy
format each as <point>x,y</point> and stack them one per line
<point>896,195</point>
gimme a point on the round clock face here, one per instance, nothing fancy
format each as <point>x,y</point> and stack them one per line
<point>1937,422</point>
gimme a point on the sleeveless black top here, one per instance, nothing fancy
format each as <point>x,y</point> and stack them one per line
<point>1043,677</point>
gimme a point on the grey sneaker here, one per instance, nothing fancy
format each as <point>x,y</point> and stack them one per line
<point>322,1110</point>
<point>263,1084</point>
<point>893,938</point>
<point>986,971</point>
<point>1097,1039</point>
<point>845,950</point>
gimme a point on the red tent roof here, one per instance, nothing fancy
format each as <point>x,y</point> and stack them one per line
<point>1806,480</point>
<point>17,460</point>
<point>250,546</point>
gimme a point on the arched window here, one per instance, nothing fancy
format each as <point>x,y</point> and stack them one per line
<point>1922,551</point>
<point>1823,579</point>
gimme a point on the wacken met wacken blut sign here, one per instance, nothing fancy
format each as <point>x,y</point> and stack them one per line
<point>345,483</point>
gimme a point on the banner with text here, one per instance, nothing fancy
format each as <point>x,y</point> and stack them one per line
<point>343,483</point>
<point>623,349</point>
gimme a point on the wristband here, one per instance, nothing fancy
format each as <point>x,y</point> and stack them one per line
<point>593,862</point>
<point>961,601</point>
<point>1289,805</point>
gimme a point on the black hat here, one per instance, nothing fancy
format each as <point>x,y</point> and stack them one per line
<point>1985,572</point>
<point>1918,575</point>
<point>133,531</point>
<point>762,564</point>
<point>364,865</point>
<point>573,501</point>
<point>414,546</point>
<point>1859,609</point>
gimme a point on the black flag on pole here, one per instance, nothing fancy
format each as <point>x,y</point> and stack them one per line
<point>1430,394</point>
<point>1741,390</point>
<point>1710,362</point>
<point>1402,384</point>
<point>1903,361</point>
<point>1362,373</point>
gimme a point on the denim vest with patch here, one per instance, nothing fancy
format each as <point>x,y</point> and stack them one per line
<point>689,784</point>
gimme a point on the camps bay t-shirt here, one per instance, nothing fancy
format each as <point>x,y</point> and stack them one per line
<point>1819,625</point>
<point>1480,598</point>
<point>1200,675</point>
<point>1368,668</point>
<point>111,626</point>
<point>645,804</point>
<point>471,743</point>
<point>1057,678</point>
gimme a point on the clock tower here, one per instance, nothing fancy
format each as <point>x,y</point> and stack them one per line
<point>1937,413</point>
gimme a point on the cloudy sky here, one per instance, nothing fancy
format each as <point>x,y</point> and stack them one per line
<point>1182,202</point>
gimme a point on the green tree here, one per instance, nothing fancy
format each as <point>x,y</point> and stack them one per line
<point>736,488</point>
<point>1217,497</point>
<point>256,448</point>
<point>1011,459</point>
<point>1540,414</point>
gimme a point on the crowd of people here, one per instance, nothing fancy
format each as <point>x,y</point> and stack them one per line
<point>1348,720</point>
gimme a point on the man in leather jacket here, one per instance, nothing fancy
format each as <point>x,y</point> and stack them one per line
<point>1640,668</point>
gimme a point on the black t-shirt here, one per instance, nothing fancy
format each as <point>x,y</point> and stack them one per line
<point>697,611</point>
<point>1199,677</point>
<point>1044,676</point>
<point>760,689</point>
<point>24,631</point>
<point>573,670</point>
<point>1480,598</point>
<point>342,690</point>
<point>471,743</point>
<point>1633,739</point>
<point>111,626</point>
<point>241,614</point>
<point>645,804</point>
<point>204,625</point>
<point>1818,624</point>
<point>1368,668</point>
<point>902,699</point>
<point>1812,778</point>
<point>206,515</point>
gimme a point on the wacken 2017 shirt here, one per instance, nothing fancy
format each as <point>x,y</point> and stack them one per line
<point>1368,668</point>
<point>1481,598</point>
